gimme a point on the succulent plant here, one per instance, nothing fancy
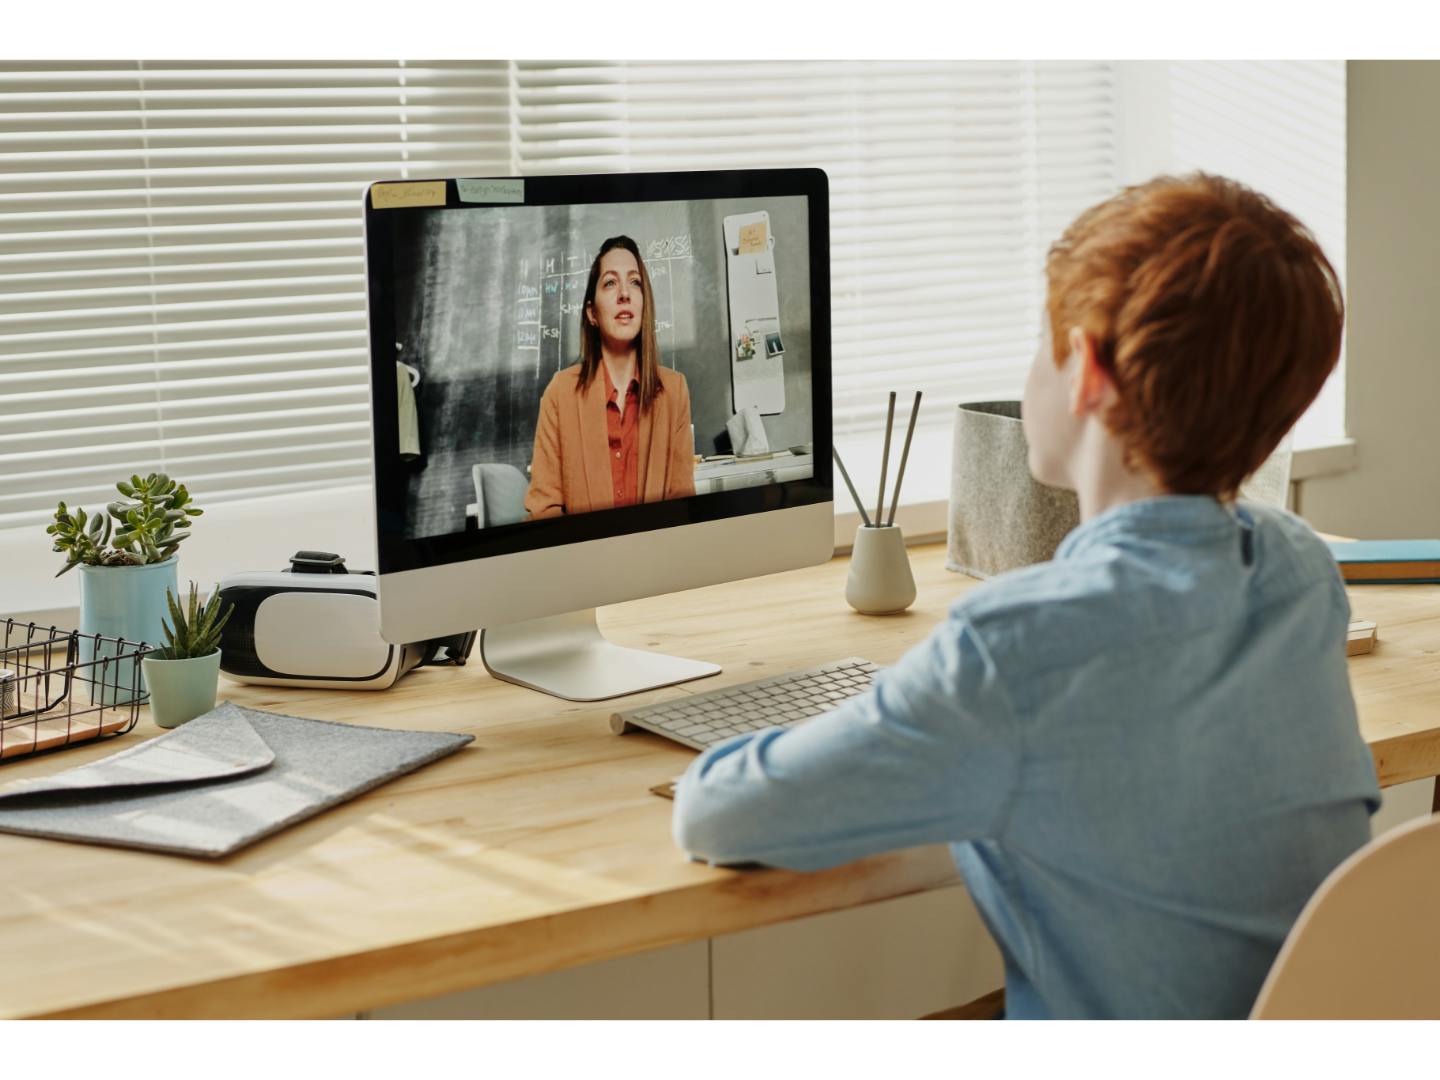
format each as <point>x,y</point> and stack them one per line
<point>193,631</point>
<point>146,526</point>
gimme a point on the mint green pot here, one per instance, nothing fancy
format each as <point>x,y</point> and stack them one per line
<point>122,602</point>
<point>181,690</point>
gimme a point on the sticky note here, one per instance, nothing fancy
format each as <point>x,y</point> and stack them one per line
<point>752,238</point>
<point>491,191</point>
<point>413,193</point>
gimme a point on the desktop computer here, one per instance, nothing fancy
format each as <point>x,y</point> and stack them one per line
<point>590,389</point>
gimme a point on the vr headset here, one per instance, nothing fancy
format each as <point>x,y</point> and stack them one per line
<point>318,624</point>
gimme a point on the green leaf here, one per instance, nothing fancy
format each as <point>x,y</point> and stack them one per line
<point>124,488</point>
<point>177,621</point>
<point>216,614</point>
<point>175,613</point>
<point>220,623</point>
<point>194,512</point>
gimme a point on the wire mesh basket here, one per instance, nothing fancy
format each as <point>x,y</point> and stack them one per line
<point>61,688</point>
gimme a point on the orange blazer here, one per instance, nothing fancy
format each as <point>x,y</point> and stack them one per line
<point>570,468</point>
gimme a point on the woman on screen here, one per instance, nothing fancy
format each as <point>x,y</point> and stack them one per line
<point>614,429</point>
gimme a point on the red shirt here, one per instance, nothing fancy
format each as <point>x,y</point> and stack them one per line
<point>624,431</point>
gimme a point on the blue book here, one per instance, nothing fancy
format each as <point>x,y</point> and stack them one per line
<point>1392,562</point>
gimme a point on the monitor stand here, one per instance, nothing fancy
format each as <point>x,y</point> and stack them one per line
<point>567,656</point>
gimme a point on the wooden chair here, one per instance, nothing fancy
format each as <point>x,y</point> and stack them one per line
<point>1367,945</point>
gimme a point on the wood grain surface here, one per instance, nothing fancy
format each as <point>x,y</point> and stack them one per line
<point>536,848</point>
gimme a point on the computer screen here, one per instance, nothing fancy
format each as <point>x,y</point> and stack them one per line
<point>592,389</point>
<point>504,312</point>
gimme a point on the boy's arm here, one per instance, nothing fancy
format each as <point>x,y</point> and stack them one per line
<point>930,754</point>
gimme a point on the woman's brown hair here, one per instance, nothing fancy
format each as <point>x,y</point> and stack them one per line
<point>1216,315</point>
<point>647,350</point>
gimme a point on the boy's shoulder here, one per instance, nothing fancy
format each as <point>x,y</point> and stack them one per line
<point>1118,598</point>
<point>1054,610</point>
<point>1287,540</point>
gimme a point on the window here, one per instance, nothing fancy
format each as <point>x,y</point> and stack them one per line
<point>181,274</point>
<point>181,269</point>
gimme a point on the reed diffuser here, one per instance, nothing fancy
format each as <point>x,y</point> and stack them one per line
<point>880,581</point>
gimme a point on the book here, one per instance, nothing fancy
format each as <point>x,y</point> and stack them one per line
<point>1393,562</point>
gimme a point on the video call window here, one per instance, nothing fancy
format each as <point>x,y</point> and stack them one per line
<point>515,327</point>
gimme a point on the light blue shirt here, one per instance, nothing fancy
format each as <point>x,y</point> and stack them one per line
<point>1144,754</point>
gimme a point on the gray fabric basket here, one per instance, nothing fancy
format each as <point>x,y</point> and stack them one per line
<point>1000,517</point>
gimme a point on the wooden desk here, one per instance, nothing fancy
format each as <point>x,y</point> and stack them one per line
<point>535,849</point>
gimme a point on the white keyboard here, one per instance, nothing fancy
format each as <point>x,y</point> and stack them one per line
<point>698,720</point>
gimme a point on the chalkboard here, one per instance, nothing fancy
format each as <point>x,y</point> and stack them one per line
<point>488,309</point>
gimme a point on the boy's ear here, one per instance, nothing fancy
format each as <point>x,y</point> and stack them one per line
<point>1091,388</point>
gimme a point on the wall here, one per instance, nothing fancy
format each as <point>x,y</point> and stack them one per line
<point>1393,384</point>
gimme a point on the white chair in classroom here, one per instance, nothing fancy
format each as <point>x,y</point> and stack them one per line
<point>1367,945</point>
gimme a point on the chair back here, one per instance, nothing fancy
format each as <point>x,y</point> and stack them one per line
<point>1367,945</point>
<point>499,493</point>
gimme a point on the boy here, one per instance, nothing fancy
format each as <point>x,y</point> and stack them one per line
<point>1144,753</point>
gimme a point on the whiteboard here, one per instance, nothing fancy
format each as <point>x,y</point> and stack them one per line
<point>759,378</point>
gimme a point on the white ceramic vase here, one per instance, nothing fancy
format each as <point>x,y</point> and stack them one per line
<point>880,581</point>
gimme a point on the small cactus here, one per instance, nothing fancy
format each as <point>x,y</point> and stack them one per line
<point>195,631</point>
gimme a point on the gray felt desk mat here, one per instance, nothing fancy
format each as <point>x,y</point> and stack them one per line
<point>218,783</point>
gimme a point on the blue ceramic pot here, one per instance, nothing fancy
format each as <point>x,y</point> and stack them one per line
<point>124,602</point>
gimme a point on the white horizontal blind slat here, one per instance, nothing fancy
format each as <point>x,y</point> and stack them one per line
<point>181,263</point>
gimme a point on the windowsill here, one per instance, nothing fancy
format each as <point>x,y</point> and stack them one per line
<point>928,521</point>
<point>1324,459</point>
<point>343,520</point>
<point>921,522</point>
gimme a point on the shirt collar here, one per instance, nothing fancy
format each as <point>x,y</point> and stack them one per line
<point>610,394</point>
<point>1190,520</point>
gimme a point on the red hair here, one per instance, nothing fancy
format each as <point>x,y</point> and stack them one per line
<point>1216,315</point>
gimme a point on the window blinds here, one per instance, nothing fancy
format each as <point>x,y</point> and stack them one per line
<point>948,181</point>
<point>181,267</point>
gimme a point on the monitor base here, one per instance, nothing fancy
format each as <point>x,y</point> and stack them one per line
<point>567,656</point>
